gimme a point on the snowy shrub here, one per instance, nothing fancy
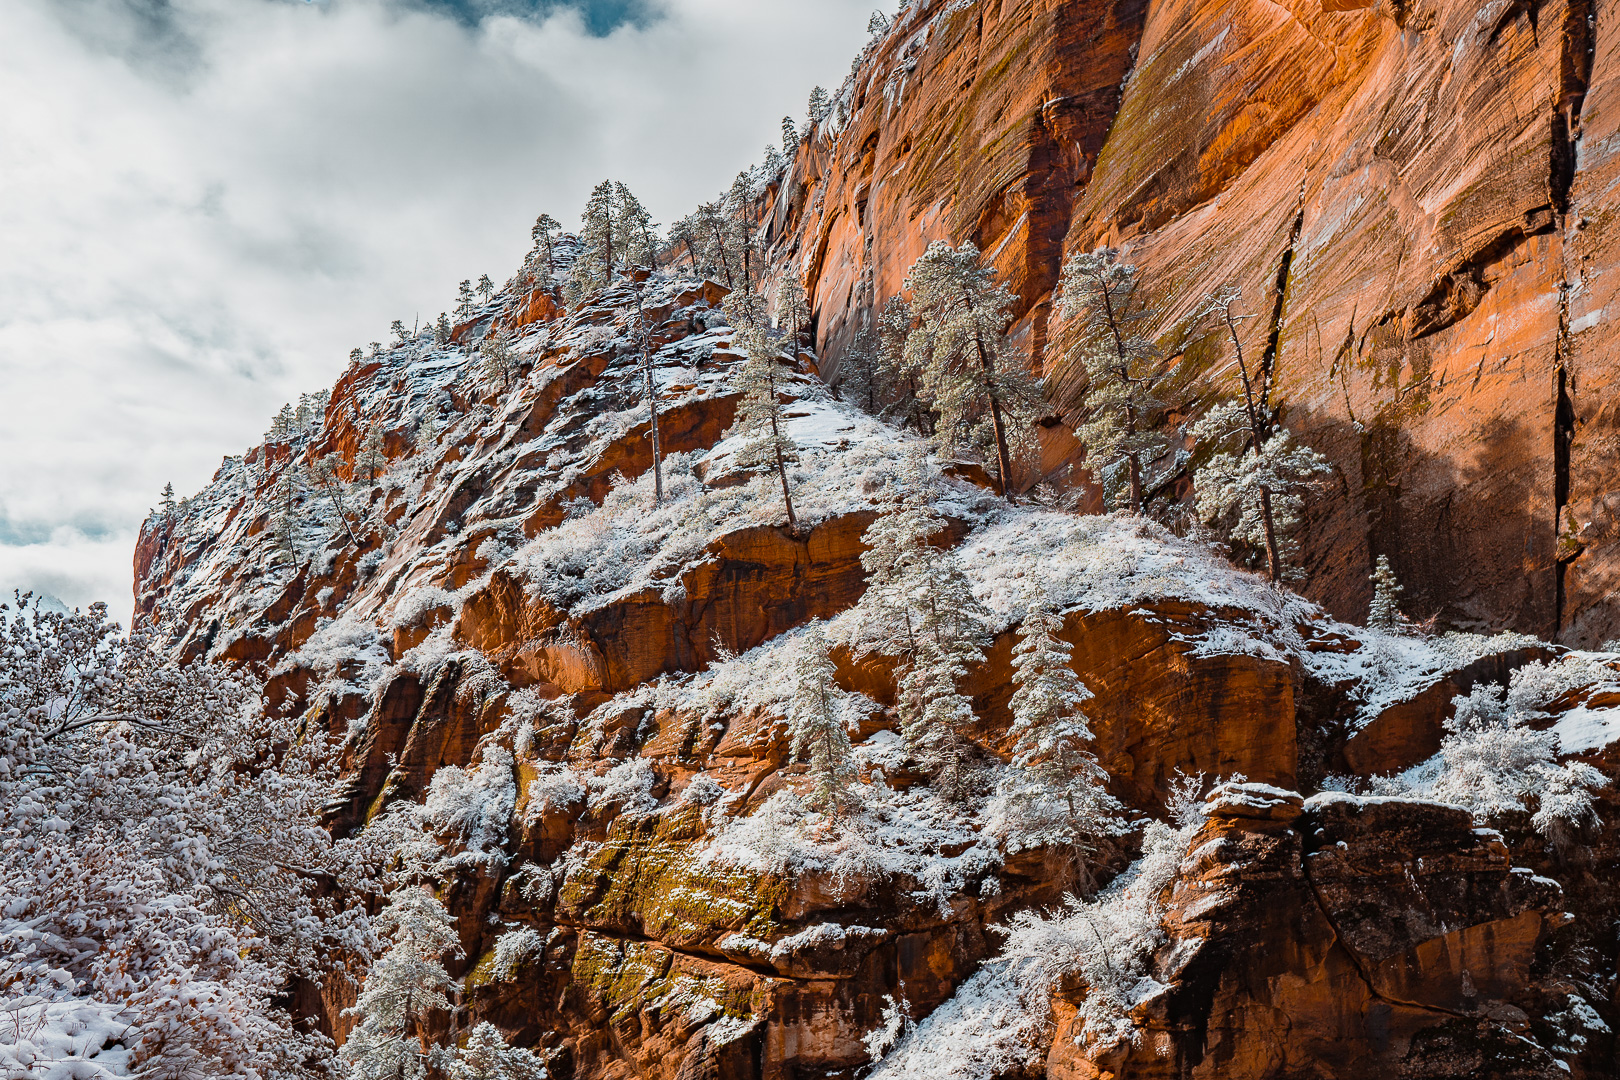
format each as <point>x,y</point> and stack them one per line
<point>514,948</point>
<point>473,807</point>
<point>414,606</point>
<point>624,789</point>
<point>1492,761</point>
<point>486,1056</point>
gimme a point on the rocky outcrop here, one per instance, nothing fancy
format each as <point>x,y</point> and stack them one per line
<point>1336,937</point>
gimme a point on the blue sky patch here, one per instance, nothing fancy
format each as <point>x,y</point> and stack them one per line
<point>601,16</point>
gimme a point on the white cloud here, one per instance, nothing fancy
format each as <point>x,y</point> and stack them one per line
<point>207,203</point>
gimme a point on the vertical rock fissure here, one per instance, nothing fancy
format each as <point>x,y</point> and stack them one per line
<point>1575,65</point>
<point>1268,359</point>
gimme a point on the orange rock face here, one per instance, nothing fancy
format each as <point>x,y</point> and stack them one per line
<point>1415,199</point>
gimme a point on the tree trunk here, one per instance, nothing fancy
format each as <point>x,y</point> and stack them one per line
<point>1257,438</point>
<point>1003,457</point>
<point>652,403</point>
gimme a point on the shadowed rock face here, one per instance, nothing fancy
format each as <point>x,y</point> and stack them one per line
<point>1415,198</point>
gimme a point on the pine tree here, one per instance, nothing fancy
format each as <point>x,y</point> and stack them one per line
<point>687,232</point>
<point>919,607</point>
<point>442,330</point>
<point>355,355</point>
<point>283,524</point>
<point>1255,499</point>
<point>760,420</point>
<point>959,347</point>
<point>1385,612</point>
<point>166,502</point>
<point>857,373</point>
<point>790,136</point>
<point>545,233</point>
<point>1114,366</point>
<point>774,161</point>
<point>820,105</point>
<point>401,335</point>
<point>594,266</point>
<point>488,1057</point>
<point>818,729</point>
<point>376,349</point>
<point>792,309</point>
<point>407,984</point>
<point>372,458</point>
<point>486,287</point>
<point>720,253</point>
<point>899,384</point>
<point>878,23</point>
<point>633,227</point>
<point>282,425</point>
<point>1056,792</point>
<point>464,299</point>
<point>326,477</point>
<point>500,360</point>
<point>741,213</point>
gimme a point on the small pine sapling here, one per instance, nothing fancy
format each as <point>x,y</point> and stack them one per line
<point>1112,369</point>
<point>442,330</point>
<point>1385,612</point>
<point>404,987</point>
<point>761,420</point>
<point>959,347</point>
<point>816,724</point>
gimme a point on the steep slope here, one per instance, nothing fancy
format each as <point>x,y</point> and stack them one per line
<point>585,691</point>
<point>1414,197</point>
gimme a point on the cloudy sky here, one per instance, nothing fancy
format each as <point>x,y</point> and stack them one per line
<point>204,204</point>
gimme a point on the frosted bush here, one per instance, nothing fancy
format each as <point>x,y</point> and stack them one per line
<point>1492,762</point>
<point>512,949</point>
<point>473,807</point>
<point>413,608</point>
<point>626,789</point>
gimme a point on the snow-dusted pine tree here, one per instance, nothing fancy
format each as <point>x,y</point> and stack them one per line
<point>920,608</point>
<point>405,986</point>
<point>464,299</point>
<point>820,105</point>
<point>486,1056</point>
<point>1111,371</point>
<point>545,233</point>
<point>372,459</point>
<point>760,416</point>
<point>857,373</point>
<point>166,502</point>
<point>485,287</point>
<point>500,360</point>
<point>790,136</point>
<point>401,335</point>
<point>1385,612</point>
<point>1256,500</point>
<point>644,334</point>
<point>986,405</point>
<point>816,723</point>
<point>633,227</point>
<point>599,255</point>
<point>326,477</point>
<point>284,516</point>
<point>899,384</point>
<point>742,217</point>
<point>442,330</point>
<point>1056,794</point>
<point>792,310</point>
